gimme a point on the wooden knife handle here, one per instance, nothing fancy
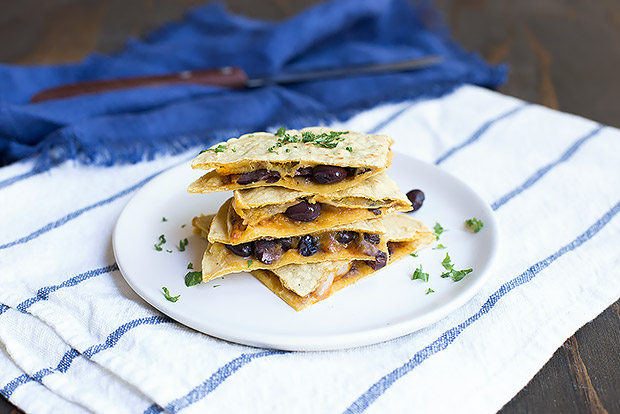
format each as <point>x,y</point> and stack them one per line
<point>228,77</point>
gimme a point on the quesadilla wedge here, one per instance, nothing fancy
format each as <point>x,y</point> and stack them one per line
<point>303,285</point>
<point>362,241</point>
<point>316,159</point>
<point>285,208</point>
<point>228,228</point>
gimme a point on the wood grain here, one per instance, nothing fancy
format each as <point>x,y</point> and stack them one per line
<point>581,379</point>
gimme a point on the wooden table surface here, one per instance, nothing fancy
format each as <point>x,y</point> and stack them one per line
<point>562,54</point>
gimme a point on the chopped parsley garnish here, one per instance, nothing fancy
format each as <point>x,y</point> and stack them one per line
<point>349,149</point>
<point>288,150</point>
<point>438,230</point>
<point>167,295</point>
<point>456,275</point>
<point>162,240</point>
<point>447,263</point>
<point>219,148</point>
<point>193,278</point>
<point>233,150</point>
<point>169,251</point>
<point>190,265</point>
<point>414,255</point>
<point>474,224</point>
<point>250,263</point>
<point>216,286</point>
<point>419,274</point>
<point>429,290</point>
<point>164,219</point>
<point>183,226</point>
<point>182,245</point>
<point>324,139</point>
<point>439,247</point>
<point>272,150</point>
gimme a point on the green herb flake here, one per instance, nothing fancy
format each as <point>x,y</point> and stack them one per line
<point>281,131</point>
<point>349,149</point>
<point>219,148</point>
<point>288,150</point>
<point>250,263</point>
<point>168,296</point>
<point>419,274</point>
<point>190,265</point>
<point>413,255</point>
<point>437,230</point>
<point>251,135</point>
<point>164,219</point>
<point>458,275</point>
<point>169,251</point>
<point>162,240</point>
<point>193,278</point>
<point>447,262</point>
<point>233,150</point>
<point>429,290</point>
<point>272,150</point>
<point>474,224</point>
<point>202,152</point>
<point>182,245</point>
<point>216,286</point>
<point>439,247</point>
<point>183,226</point>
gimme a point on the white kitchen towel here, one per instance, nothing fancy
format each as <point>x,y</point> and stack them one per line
<point>76,338</point>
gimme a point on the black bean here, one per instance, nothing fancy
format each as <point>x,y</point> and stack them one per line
<point>287,244</point>
<point>375,211</point>
<point>346,237</point>
<point>258,175</point>
<point>243,250</point>
<point>372,238</point>
<point>417,198</point>
<point>350,171</point>
<point>304,211</point>
<point>304,171</point>
<point>326,174</point>
<point>267,251</point>
<point>390,249</point>
<point>379,262</point>
<point>308,245</point>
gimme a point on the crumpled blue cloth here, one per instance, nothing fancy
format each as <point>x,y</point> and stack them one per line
<point>129,125</point>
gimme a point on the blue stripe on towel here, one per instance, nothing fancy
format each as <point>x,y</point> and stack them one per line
<point>211,383</point>
<point>69,356</point>
<point>476,135</point>
<point>51,226</point>
<point>44,292</point>
<point>544,170</point>
<point>449,336</point>
<point>7,182</point>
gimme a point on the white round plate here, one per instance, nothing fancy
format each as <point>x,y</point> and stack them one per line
<point>238,308</point>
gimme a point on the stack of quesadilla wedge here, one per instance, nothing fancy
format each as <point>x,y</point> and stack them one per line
<point>312,211</point>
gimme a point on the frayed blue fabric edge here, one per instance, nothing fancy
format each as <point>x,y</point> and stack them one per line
<point>49,155</point>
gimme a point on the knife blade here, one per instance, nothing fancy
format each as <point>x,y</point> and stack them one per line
<point>228,77</point>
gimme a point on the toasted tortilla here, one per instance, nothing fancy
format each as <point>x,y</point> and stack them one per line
<point>227,228</point>
<point>257,151</point>
<point>218,260</point>
<point>303,285</point>
<point>378,195</point>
